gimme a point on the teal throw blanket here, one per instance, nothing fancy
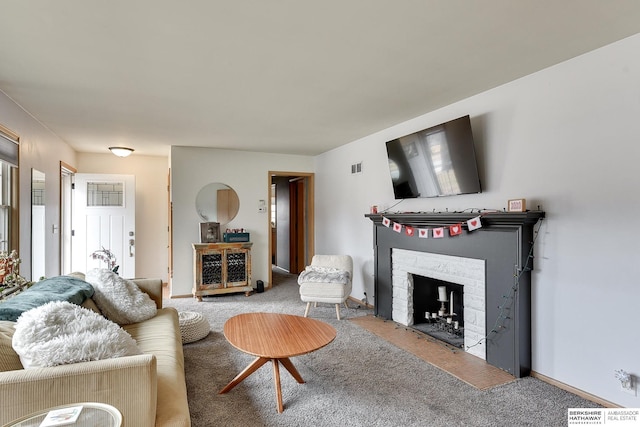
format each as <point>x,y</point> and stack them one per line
<point>60,288</point>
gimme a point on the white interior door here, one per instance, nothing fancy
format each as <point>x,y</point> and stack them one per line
<point>104,213</point>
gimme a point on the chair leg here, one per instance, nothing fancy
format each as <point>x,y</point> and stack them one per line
<point>306,311</point>
<point>338,311</point>
<point>345,304</point>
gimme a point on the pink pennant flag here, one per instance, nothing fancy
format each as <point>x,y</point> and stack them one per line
<point>397,227</point>
<point>386,222</point>
<point>474,223</point>
<point>438,233</point>
<point>423,233</point>
<point>408,231</point>
<point>455,229</point>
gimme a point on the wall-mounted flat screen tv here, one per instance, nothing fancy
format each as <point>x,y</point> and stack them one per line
<point>434,162</point>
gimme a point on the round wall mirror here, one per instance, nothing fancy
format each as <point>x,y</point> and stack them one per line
<point>217,202</point>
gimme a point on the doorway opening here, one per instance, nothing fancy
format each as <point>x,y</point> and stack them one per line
<point>291,221</point>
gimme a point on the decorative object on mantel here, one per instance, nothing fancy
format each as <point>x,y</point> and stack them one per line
<point>517,205</point>
<point>107,257</point>
<point>11,282</point>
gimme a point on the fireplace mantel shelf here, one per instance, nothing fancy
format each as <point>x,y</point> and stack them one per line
<point>422,219</point>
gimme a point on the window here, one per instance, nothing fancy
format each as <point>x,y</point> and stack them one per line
<point>105,194</point>
<point>9,230</point>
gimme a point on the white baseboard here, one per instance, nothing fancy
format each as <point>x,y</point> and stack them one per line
<point>357,301</point>
<point>591,397</point>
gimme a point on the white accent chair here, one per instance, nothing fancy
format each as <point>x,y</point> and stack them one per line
<point>333,293</point>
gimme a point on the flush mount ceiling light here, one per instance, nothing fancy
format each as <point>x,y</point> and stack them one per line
<point>121,151</point>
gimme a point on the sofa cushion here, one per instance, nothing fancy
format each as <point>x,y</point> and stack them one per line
<point>59,333</point>
<point>59,288</point>
<point>161,337</point>
<point>9,359</point>
<point>120,300</point>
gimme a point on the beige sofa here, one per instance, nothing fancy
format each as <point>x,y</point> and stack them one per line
<point>148,389</point>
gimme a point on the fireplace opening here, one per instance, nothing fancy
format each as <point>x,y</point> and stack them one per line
<point>438,309</point>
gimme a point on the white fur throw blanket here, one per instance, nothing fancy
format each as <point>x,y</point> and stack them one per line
<point>60,332</point>
<point>120,300</point>
<point>323,275</point>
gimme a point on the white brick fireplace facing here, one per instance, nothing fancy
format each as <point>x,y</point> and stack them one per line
<point>468,272</point>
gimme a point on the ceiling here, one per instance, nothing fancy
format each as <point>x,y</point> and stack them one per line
<point>281,76</point>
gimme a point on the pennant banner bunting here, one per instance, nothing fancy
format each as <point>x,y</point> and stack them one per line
<point>436,232</point>
<point>474,223</point>
<point>455,230</point>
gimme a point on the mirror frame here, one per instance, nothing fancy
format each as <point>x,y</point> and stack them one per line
<point>207,203</point>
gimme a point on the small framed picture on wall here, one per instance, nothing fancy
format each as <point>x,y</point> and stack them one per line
<point>209,232</point>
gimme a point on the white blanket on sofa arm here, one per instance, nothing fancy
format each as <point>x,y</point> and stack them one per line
<point>120,300</point>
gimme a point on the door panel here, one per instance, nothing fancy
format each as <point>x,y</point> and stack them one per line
<point>297,235</point>
<point>104,218</point>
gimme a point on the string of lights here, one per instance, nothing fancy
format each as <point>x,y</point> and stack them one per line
<point>470,210</point>
<point>510,297</point>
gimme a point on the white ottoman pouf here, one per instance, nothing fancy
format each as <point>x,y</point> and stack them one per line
<point>193,326</point>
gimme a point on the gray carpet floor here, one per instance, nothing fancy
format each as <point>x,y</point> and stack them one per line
<point>357,380</point>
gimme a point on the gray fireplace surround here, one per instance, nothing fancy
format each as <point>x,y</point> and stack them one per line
<point>504,242</point>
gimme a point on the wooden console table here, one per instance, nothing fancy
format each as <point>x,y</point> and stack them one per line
<point>221,268</point>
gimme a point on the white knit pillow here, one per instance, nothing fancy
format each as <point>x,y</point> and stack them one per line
<point>120,300</point>
<point>60,332</point>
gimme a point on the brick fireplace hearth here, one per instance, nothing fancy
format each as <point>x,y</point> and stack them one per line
<point>468,272</point>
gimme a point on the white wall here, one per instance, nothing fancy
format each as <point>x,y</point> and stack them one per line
<point>152,205</point>
<point>43,150</point>
<point>245,172</point>
<point>567,139</point>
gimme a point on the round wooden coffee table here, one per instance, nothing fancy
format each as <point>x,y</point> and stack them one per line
<point>275,337</point>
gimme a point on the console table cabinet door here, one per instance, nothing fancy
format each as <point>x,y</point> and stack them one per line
<point>211,269</point>
<point>221,268</point>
